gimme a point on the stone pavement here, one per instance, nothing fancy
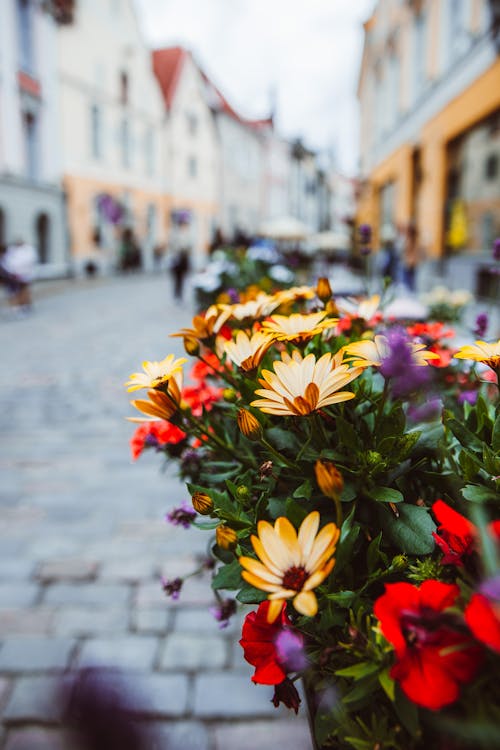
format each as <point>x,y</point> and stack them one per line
<point>83,542</point>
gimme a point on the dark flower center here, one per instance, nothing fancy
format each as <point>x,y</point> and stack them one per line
<point>422,628</point>
<point>295,578</point>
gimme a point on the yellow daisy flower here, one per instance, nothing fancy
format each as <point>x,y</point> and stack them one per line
<point>365,309</point>
<point>299,386</point>
<point>297,328</point>
<point>291,565</point>
<point>367,353</point>
<point>205,326</point>
<point>259,307</point>
<point>156,374</point>
<point>160,405</point>
<point>488,354</point>
<point>247,351</point>
<point>295,294</point>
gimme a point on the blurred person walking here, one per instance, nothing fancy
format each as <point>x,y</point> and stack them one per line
<point>179,268</point>
<point>412,254</point>
<point>18,270</point>
<point>390,258</point>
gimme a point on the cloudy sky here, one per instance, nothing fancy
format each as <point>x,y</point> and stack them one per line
<point>305,51</point>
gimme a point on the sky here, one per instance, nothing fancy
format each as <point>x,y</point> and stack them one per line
<point>303,54</point>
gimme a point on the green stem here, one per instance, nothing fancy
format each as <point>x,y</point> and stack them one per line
<point>279,455</point>
<point>380,409</point>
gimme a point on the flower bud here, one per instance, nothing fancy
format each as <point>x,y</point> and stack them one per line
<point>242,492</point>
<point>225,537</point>
<point>329,479</point>
<point>399,562</point>
<point>323,289</point>
<point>202,503</point>
<point>249,425</point>
<point>191,346</point>
<point>229,395</point>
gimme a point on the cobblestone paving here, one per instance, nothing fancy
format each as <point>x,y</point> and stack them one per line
<point>83,542</point>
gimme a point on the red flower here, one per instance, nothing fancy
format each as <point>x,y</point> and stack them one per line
<point>154,434</point>
<point>258,643</point>
<point>445,355</point>
<point>433,658</point>
<point>199,397</point>
<point>482,615</point>
<point>210,365</point>
<point>455,535</point>
<point>430,331</point>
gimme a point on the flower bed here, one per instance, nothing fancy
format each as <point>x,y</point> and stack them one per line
<point>348,468</point>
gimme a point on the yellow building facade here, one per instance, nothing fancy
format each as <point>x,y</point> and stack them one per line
<point>429,95</point>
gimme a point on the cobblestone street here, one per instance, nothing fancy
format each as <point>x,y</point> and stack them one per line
<point>83,541</point>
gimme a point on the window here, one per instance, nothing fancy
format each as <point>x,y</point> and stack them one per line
<point>125,143</point>
<point>192,166</point>
<point>95,131</point>
<point>192,123</point>
<point>457,28</point>
<point>25,29</point>
<point>124,87</point>
<point>491,167</point>
<point>30,132</point>
<point>43,237</point>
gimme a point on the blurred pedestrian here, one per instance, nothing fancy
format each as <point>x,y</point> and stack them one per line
<point>18,270</point>
<point>390,258</point>
<point>411,256</point>
<point>130,252</point>
<point>179,268</point>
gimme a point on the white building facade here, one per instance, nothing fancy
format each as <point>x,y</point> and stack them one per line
<point>32,205</point>
<point>113,144</point>
<point>192,180</point>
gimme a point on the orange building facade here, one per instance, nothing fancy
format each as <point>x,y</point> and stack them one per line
<point>429,94</point>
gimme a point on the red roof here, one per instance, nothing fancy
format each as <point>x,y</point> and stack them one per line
<point>167,66</point>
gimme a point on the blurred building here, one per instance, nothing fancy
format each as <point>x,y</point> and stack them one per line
<point>112,139</point>
<point>192,152</point>
<point>429,92</point>
<point>31,198</point>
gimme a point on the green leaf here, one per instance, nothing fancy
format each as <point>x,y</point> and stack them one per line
<point>463,435</point>
<point>304,490</point>
<point>495,435</point>
<point>363,689</point>
<point>228,577</point>
<point>342,598</point>
<point>373,554</point>
<point>345,548</point>
<point>282,439</point>
<point>407,712</point>
<point>347,435</point>
<point>249,595</point>
<point>362,669</point>
<point>386,495</point>
<point>469,465</point>
<point>476,494</point>
<point>295,512</point>
<point>388,684</point>
<point>412,531</point>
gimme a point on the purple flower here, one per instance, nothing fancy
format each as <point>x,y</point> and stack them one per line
<point>290,650</point>
<point>400,368</point>
<point>222,611</point>
<point>491,588</point>
<point>467,396</point>
<point>365,233</point>
<point>172,588</point>
<point>184,516</point>
<point>233,295</point>
<point>426,412</point>
<point>496,249</point>
<point>366,250</point>
<point>481,325</point>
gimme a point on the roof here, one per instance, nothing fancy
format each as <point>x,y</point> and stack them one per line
<point>167,65</point>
